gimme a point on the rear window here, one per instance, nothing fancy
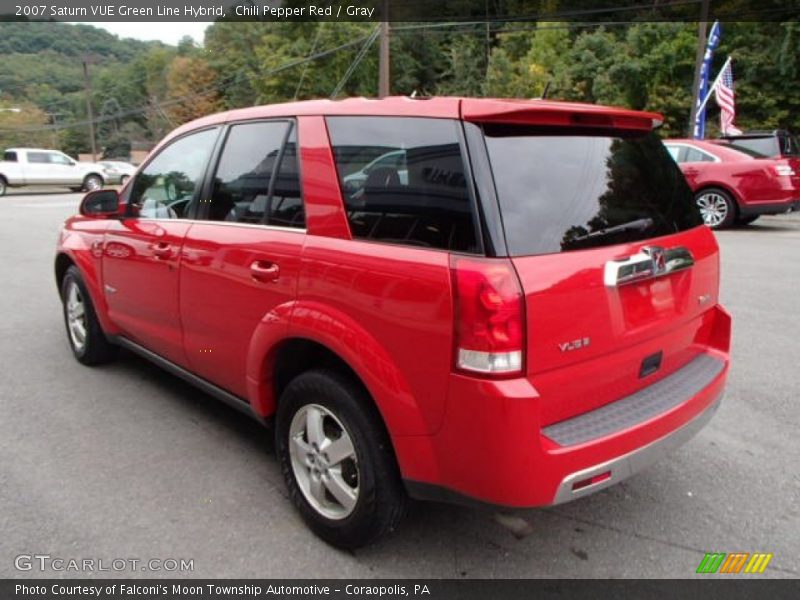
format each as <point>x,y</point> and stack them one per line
<point>767,146</point>
<point>404,182</point>
<point>562,191</point>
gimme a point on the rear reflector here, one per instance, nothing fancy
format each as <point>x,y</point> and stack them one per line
<point>489,316</point>
<point>584,483</point>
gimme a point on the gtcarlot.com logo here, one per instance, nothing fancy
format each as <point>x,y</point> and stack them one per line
<point>734,563</point>
<point>46,562</point>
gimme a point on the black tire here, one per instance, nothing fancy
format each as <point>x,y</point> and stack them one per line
<point>726,203</point>
<point>381,499</point>
<point>92,182</point>
<point>745,221</point>
<point>3,186</point>
<point>96,349</point>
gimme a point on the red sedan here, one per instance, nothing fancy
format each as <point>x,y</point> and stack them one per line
<point>736,185</point>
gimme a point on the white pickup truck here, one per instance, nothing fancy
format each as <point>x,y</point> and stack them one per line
<point>34,166</point>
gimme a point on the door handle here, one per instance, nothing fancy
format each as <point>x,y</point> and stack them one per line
<point>264,271</point>
<point>162,250</point>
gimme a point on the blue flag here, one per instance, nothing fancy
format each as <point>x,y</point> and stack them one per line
<point>702,90</point>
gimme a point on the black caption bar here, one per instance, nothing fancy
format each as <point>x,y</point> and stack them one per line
<point>508,11</point>
<point>482,589</point>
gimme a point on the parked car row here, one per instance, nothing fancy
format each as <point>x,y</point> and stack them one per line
<point>454,299</point>
<point>22,167</point>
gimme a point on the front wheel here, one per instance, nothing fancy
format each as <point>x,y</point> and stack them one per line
<point>716,207</point>
<point>3,186</point>
<point>337,460</point>
<point>86,337</point>
<point>92,183</point>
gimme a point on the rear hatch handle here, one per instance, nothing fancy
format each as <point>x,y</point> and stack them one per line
<point>649,262</point>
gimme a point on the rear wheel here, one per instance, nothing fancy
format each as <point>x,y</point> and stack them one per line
<point>337,460</point>
<point>86,337</point>
<point>92,183</point>
<point>717,208</point>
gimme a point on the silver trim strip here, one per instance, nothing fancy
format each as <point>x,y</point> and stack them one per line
<point>228,223</point>
<point>629,464</point>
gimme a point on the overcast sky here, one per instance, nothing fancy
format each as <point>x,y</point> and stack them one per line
<point>169,33</point>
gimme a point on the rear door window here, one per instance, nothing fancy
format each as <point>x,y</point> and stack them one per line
<point>560,191</point>
<point>38,157</point>
<point>404,181</point>
<point>246,187</point>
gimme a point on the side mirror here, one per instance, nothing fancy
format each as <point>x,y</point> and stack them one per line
<point>100,204</point>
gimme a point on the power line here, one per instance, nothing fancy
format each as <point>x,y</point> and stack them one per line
<point>166,103</point>
<point>355,62</point>
<point>549,16</point>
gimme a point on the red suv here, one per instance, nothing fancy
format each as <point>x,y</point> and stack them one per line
<point>516,305</point>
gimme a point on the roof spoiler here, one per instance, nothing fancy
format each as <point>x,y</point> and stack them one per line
<point>538,112</point>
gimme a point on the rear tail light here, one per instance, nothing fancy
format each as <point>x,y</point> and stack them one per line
<point>489,331</point>
<point>783,171</point>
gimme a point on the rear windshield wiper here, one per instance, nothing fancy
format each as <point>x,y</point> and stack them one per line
<point>636,225</point>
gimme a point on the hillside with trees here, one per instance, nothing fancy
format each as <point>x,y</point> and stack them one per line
<point>142,90</point>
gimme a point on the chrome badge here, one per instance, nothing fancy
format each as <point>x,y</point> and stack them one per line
<point>574,344</point>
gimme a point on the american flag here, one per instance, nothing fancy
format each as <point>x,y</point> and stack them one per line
<point>723,92</point>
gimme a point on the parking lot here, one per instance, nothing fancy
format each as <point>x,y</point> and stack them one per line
<point>125,461</point>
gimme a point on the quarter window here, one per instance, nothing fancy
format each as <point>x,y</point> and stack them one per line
<point>404,182</point>
<point>247,188</point>
<point>166,186</point>
<point>10,156</point>
<point>695,155</point>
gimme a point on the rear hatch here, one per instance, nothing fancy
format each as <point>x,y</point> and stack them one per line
<point>619,275</point>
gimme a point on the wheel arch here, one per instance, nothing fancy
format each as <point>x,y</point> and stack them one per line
<point>95,174</point>
<point>320,334</point>
<point>711,185</point>
<point>91,278</point>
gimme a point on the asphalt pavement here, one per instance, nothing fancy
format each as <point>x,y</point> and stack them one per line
<point>126,462</point>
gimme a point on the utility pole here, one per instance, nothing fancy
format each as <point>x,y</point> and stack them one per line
<point>53,117</point>
<point>383,61</point>
<point>90,114</point>
<point>702,38</point>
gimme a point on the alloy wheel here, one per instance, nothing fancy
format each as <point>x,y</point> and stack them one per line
<point>76,317</point>
<point>713,208</point>
<point>324,461</point>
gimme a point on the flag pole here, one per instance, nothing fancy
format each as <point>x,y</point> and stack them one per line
<point>714,85</point>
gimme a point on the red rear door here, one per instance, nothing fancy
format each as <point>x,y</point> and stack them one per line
<point>243,264</point>
<point>620,277</point>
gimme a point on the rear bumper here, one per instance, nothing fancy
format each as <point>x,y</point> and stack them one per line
<point>492,448</point>
<point>769,208</point>
<point>622,467</point>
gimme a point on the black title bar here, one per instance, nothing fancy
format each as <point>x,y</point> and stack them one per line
<point>479,11</point>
